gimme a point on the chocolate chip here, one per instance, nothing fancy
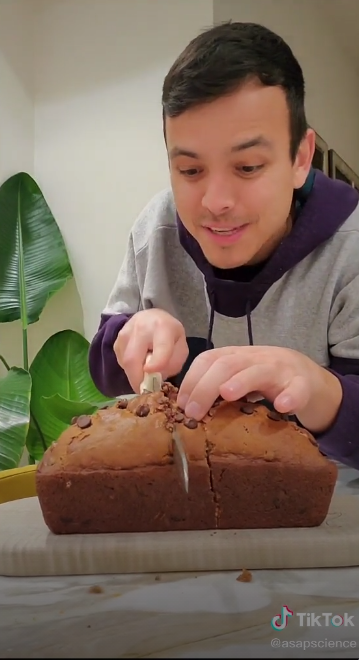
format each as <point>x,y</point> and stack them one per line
<point>169,391</point>
<point>191,423</point>
<point>74,420</point>
<point>179,417</point>
<point>247,408</point>
<point>122,403</point>
<point>143,410</point>
<point>275,416</point>
<point>84,421</point>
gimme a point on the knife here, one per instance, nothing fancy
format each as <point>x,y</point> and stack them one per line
<point>180,459</point>
<point>153,383</point>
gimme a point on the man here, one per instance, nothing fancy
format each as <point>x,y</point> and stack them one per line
<point>244,277</point>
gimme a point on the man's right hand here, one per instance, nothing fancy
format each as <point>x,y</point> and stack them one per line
<point>156,331</point>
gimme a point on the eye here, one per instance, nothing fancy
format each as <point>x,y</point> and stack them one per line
<point>249,169</point>
<point>192,171</point>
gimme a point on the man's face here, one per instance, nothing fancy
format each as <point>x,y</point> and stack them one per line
<point>231,170</point>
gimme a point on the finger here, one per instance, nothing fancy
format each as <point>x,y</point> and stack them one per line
<point>163,348</point>
<point>133,355</point>
<point>294,397</point>
<point>178,358</point>
<point>208,385</point>
<point>195,373</point>
<point>237,357</point>
<point>263,380</point>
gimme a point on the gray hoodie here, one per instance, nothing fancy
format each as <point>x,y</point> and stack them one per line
<point>304,297</point>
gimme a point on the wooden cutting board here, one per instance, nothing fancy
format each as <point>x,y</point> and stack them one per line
<point>28,548</point>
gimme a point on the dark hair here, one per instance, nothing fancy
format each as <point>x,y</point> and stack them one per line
<point>219,60</point>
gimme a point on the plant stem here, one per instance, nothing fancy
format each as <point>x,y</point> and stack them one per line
<point>39,431</point>
<point>2,359</point>
<point>25,352</point>
<point>22,287</point>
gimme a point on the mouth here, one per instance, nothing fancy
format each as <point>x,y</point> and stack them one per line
<point>222,230</point>
<point>225,235</point>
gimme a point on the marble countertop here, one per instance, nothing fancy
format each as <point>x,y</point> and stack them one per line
<point>184,615</point>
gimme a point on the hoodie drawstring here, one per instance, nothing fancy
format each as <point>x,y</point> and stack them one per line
<point>211,322</point>
<point>264,402</point>
<point>249,323</point>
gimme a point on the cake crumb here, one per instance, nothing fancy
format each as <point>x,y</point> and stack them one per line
<point>245,576</point>
<point>95,589</point>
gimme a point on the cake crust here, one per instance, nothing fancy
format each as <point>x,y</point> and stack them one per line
<point>248,468</point>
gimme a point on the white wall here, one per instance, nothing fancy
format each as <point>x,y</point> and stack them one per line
<point>17,120</point>
<point>99,150</point>
<point>16,86</point>
<point>17,103</point>
<point>80,89</point>
<point>332,81</point>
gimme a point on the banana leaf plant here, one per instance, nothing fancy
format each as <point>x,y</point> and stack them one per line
<point>37,400</point>
<point>15,393</point>
<point>62,388</point>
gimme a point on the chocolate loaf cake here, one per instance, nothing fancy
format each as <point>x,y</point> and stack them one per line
<point>248,468</point>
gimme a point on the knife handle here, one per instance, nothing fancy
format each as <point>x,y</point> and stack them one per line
<point>152,382</point>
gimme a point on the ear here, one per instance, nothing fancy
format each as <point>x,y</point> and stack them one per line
<point>303,160</point>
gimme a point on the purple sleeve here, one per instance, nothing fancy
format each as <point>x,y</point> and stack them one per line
<point>109,378</point>
<point>341,441</point>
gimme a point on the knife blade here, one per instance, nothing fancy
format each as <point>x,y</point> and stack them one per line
<point>180,459</point>
<point>152,382</point>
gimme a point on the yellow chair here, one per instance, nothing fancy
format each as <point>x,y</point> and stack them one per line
<point>17,483</point>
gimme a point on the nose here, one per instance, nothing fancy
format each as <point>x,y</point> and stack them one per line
<point>218,197</point>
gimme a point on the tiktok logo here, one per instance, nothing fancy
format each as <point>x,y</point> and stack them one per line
<point>280,621</point>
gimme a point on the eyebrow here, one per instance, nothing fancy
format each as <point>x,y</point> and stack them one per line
<point>259,141</point>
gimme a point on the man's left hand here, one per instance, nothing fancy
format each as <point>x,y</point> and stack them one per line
<point>290,380</point>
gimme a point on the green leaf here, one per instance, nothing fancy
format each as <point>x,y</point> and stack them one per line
<point>15,393</point>
<point>60,369</point>
<point>65,409</point>
<point>34,264</point>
